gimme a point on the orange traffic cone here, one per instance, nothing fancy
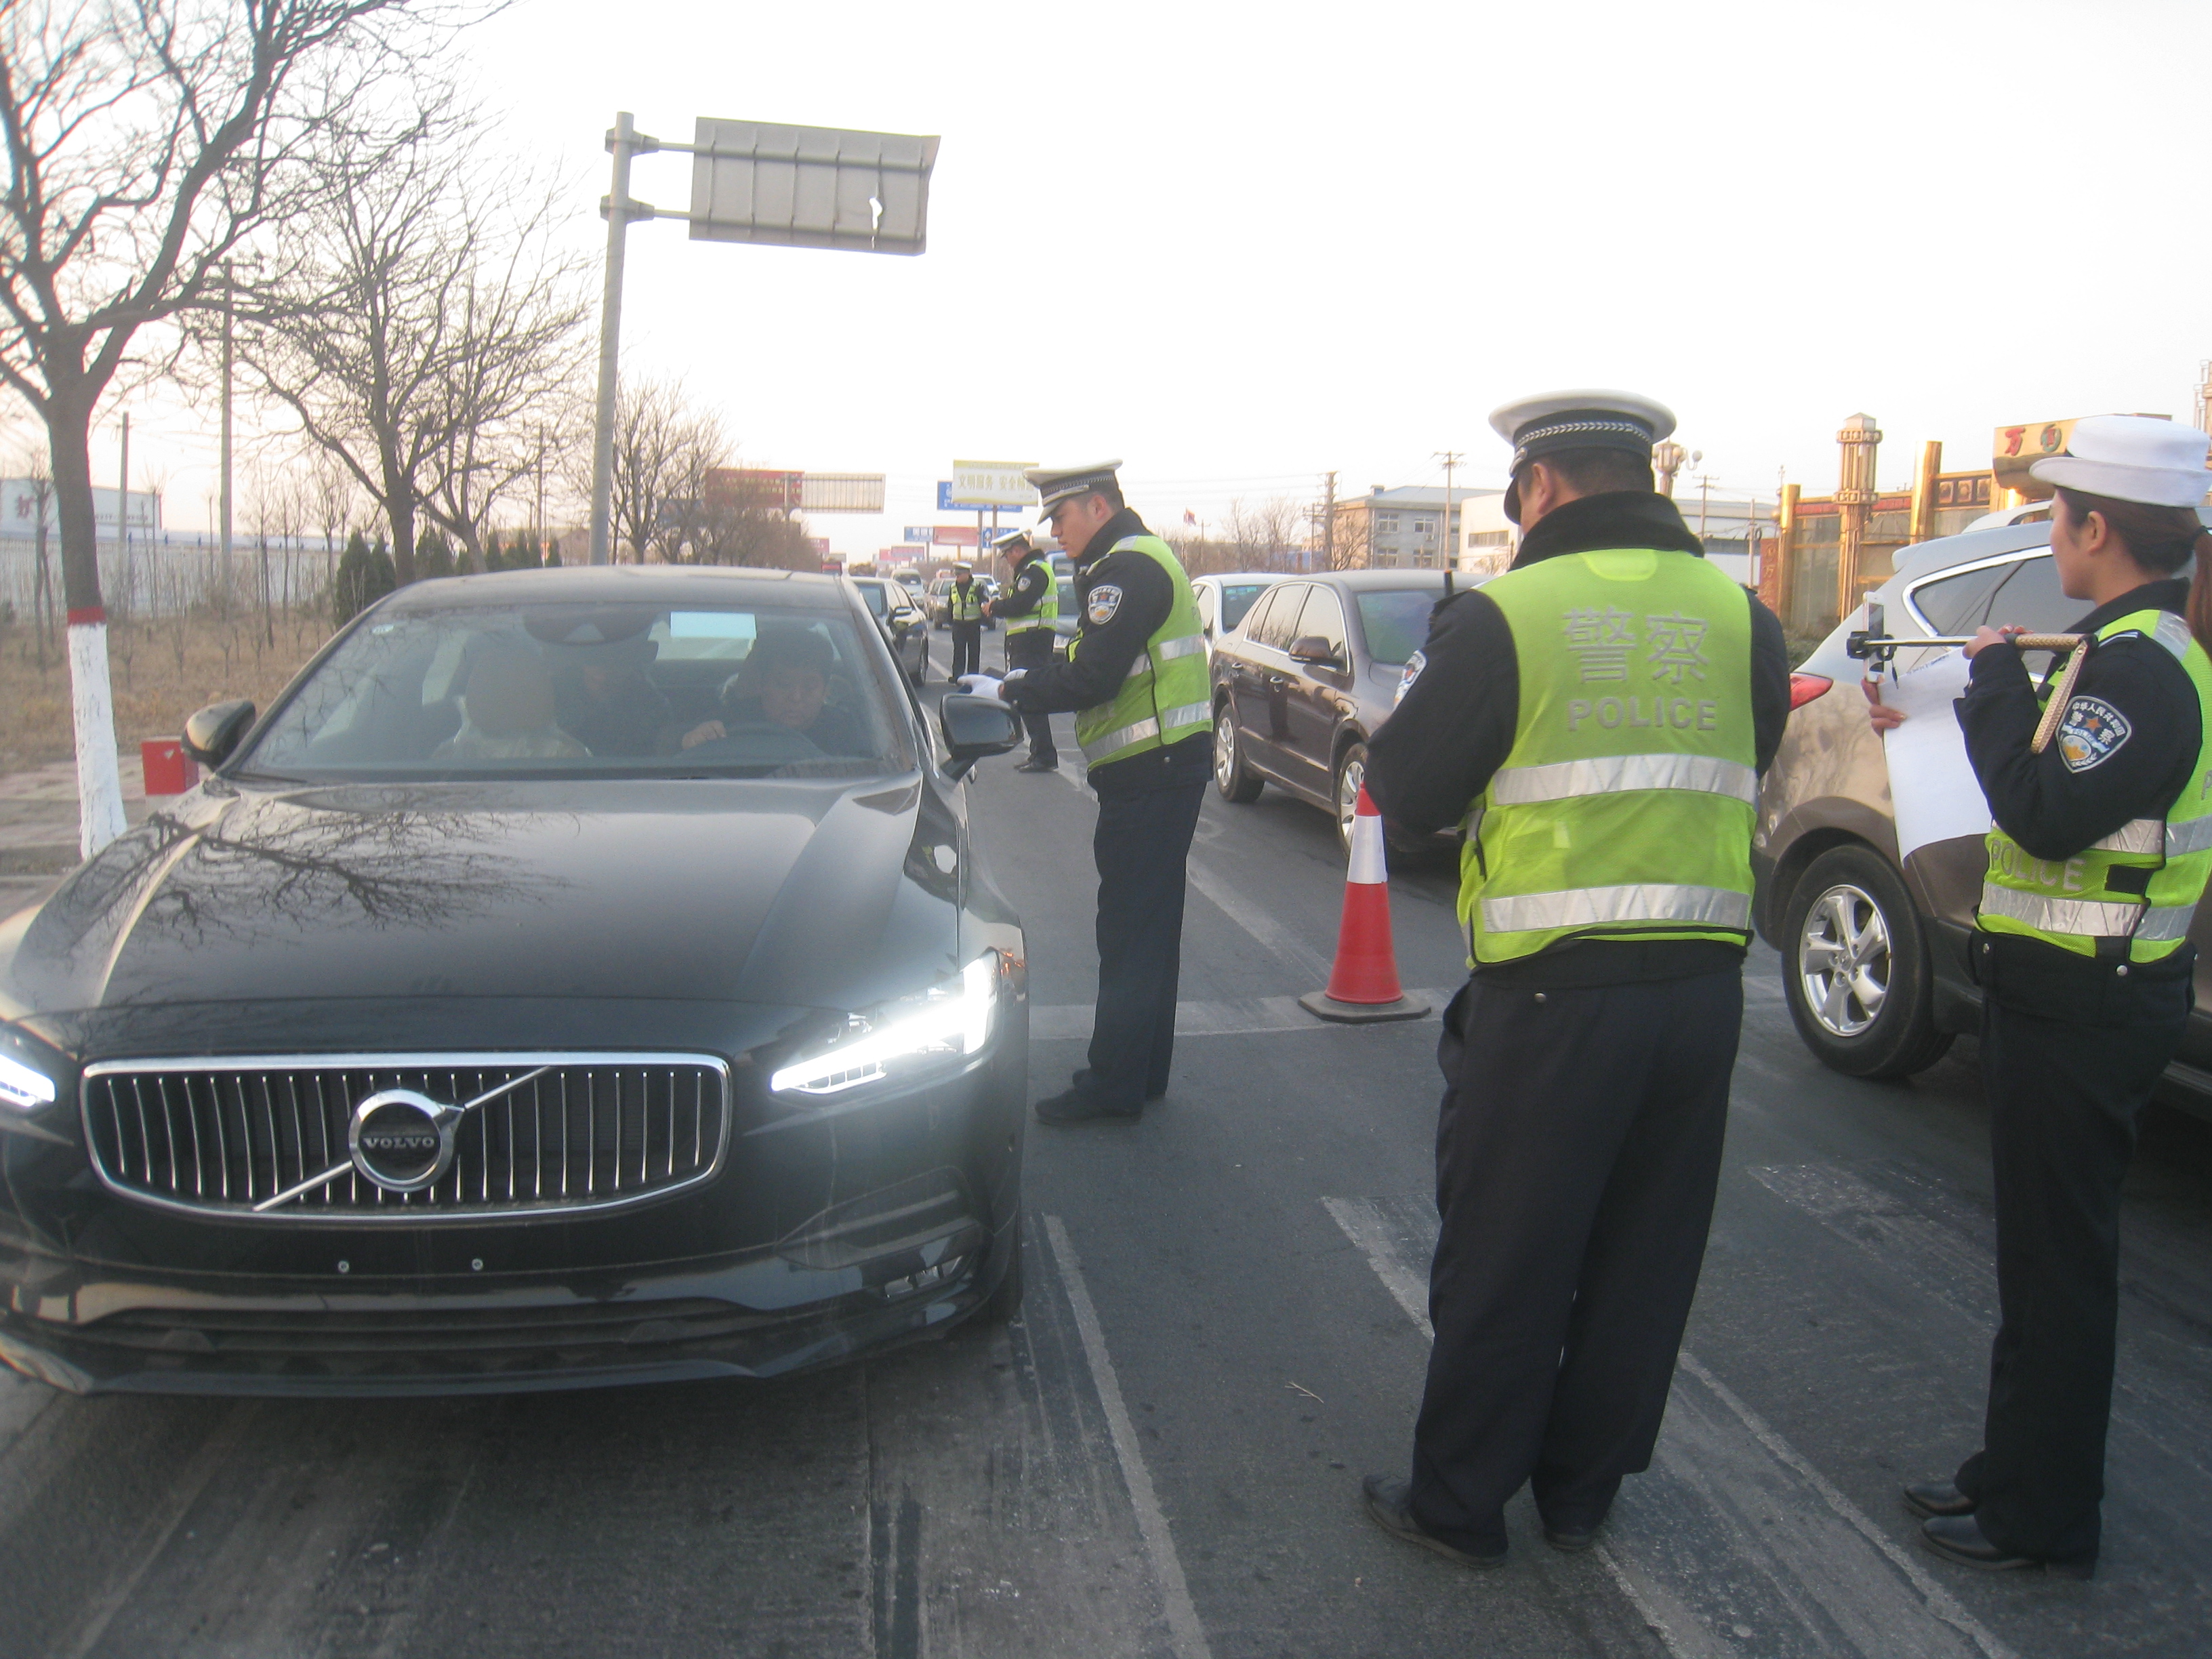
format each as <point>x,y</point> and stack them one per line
<point>1362,981</point>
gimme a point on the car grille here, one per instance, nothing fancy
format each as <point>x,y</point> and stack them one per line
<point>589,1132</point>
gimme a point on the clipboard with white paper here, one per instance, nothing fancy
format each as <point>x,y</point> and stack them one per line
<point>1933,791</point>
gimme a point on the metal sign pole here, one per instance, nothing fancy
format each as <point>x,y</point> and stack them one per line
<point>622,141</point>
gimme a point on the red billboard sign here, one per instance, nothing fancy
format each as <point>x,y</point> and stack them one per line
<point>954,535</point>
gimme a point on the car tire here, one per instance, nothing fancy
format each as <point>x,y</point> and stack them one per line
<point>1345,784</point>
<point>1005,1302</point>
<point>1856,967</point>
<point>1237,781</point>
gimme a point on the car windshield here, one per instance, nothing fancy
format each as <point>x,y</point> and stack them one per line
<point>1396,621</point>
<point>579,690</point>
<point>1236,599</point>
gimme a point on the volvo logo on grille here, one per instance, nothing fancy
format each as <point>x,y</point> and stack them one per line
<point>403,1141</point>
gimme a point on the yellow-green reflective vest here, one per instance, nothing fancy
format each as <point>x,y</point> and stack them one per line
<point>1163,699</point>
<point>2142,882</point>
<point>964,604</point>
<point>1048,605</point>
<point>1624,809</point>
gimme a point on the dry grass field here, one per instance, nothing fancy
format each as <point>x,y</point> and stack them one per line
<point>161,669</point>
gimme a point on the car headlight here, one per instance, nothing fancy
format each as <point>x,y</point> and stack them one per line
<point>20,1086</point>
<point>904,1038</point>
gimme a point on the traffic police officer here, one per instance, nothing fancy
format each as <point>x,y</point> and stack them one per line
<point>1596,718</point>
<point>2099,852</point>
<point>1027,611</point>
<point>963,612</point>
<point>1135,676</point>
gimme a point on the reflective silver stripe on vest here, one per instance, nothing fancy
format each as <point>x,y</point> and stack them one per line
<point>2174,634</point>
<point>2086,918</point>
<point>1589,907</point>
<point>2189,835</point>
<point>1171,725</point>
<point>1188,646</point>
<point>2143,835</point>
<point>1523,785</point>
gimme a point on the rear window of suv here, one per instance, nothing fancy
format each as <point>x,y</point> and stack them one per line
<point>2022,591</point>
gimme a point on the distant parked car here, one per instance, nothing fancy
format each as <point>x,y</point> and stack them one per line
<point>906,630</point>
<point>1303,680</point>
<point>1224,599</point>
<point>1874,950</point>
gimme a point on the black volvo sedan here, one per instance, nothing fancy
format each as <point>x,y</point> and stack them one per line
<point>576,977</point>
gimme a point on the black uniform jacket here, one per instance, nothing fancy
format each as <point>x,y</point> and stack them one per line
<point>2125,749</point>
<point>1126,597</point>
<point>1436,754</point>
<point>1028,591</point>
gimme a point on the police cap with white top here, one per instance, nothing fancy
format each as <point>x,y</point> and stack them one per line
<point>1014,545</point>
<point>1056,484</point>
<point>1554,421</point>
<point>2132,458</point>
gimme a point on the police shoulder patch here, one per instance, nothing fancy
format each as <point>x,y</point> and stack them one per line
<point>2092,733</point>
<point>1105,600</point>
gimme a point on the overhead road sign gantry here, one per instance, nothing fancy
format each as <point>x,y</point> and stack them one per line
<point>757,181</point>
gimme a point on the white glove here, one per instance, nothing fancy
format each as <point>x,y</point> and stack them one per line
<point>980,685</point>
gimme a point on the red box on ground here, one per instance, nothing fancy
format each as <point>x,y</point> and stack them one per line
<point>169,771</point>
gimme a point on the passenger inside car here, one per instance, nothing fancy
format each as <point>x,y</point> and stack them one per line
<point>508,711</point>
<point>785,684</point>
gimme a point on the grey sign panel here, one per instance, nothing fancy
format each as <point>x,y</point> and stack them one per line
<point>756,181</point>
<point>841,492</point>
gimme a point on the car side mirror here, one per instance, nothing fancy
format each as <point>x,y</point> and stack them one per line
<point>212,732</point>
<point>1312,648</point>
<point>974,729</point>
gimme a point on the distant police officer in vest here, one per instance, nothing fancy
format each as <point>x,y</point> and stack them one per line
<point>964,613</point>
<point>1027,610</point>
<point>1135,676</point>
<point>2097,855</point>
<point>1596,718</point>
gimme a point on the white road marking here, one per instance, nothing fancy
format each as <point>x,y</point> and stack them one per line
<point>1819,1588</point>
<point>1152,1524</point>
<point>1249,1017</point>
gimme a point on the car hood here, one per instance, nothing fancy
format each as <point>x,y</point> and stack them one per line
<point>798,893</point>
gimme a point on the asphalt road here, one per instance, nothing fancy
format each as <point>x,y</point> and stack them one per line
<point>1224,1330</point>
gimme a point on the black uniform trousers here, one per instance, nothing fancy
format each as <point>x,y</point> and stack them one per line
<point>1031,647</point>
<point>1141,845</point>
<point>967,648</point>
<point>2064,1098</point>
<point>1577,1153</point>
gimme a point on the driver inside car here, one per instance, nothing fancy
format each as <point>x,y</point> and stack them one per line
<point>785,684</point>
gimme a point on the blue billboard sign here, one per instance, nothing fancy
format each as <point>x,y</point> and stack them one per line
<point>918,532</point>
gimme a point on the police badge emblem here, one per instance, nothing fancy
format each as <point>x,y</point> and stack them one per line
<point>2091,733</point>
<point>1104,601</point>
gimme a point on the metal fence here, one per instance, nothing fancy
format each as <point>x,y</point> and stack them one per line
<point>179,570</point>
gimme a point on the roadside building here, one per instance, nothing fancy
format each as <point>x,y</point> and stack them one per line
<point>1402,528</point>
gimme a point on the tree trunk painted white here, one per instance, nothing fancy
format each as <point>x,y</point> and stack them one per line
<point>99,781</point>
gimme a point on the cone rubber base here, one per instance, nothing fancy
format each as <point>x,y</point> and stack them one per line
<point>1322,1006</point>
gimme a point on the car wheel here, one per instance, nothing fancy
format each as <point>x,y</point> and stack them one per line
<point>1857,969</point>
<point>1351,775</point>
<point>1006,1301</point>
<point>1231,775</point>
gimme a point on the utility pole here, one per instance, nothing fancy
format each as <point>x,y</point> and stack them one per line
<point>123,516</point>
<point>229,308</point>
<point>621,142</point>
<point>1451,457</point>
<point>1328,524</point>
<point>1704,498</point>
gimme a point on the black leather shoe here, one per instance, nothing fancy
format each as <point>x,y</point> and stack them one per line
<point>1958,1538</point>
<point>1390,1502</point>
<point>1930,1498</point>
<point>1033,764</point>
<point>1081,1106</point>
<point>1573,1536</point>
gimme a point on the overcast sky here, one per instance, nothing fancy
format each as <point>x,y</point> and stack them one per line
<point>1239,245</point>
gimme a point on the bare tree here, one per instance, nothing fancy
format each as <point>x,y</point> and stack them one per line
<point>331,492</point>
<point>425,314</point>
<point>663,446</point>
<point>146,141</point>
<point>1348,547</point>
<point>38,469</point>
